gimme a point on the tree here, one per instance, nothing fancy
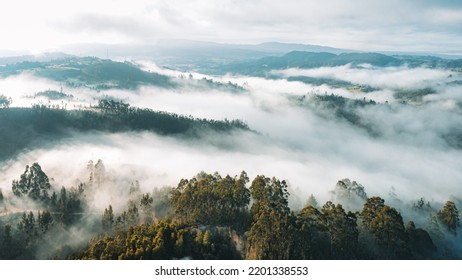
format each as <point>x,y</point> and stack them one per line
<point>312,238</point>
<point>271,233</point>
<point>161,202</point>
<point>342,230</point>
<point>449,216</point>
<point>312,201</point>
<point>108,218</point>
<point>146,207</point>
<point>9,247</point>
<point>349,194</point>
<point>210,199</point>
<point>388,230</point>
<point>386,226</point>
<point>370,209</point>
<point>27,227</point>
<point>33,183</point>
<point>420,242</point>
<point>99,173</point>
<point>44,220</point>
<point>5,102</point>
<point>131,216</point>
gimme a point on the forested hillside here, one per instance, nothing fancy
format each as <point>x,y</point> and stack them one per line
<point>23,128</point>
<point>214,217</point>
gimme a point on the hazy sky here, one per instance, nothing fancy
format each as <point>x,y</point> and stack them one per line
<point>398,25</point>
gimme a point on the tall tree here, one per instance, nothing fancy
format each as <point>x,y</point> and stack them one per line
<point>108,218</point>
<point>33,183</point>
<point>212,200</point>
<point>5,102</point>
<point>342,230</point>
<point>272,229</point>
<point>146,208</point>
<point>388,229</point>
<point>449,216</point>
<point>370,209</point>
<point>312,237</point>
<point>44,220</point>
<point>99,173</point>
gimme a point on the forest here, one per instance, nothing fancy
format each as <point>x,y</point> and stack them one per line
<point>173,144</point>
<point>211,216</point>
<point>22,128</point>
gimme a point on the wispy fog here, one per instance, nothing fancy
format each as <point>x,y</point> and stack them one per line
<point>384,78</point>
<point>293,141</point>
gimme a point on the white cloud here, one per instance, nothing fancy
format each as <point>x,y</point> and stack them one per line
<point>296,144</point>
<point>367,25</point>
<point>385,78</point>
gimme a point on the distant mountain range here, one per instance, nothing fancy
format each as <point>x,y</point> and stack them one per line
<point>301,59</point>
<point>103,74</point>
<point>43,57</point>
<point>208,58</point>
<point>217,58</point>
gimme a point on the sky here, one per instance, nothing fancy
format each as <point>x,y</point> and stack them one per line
<point>368,25</point>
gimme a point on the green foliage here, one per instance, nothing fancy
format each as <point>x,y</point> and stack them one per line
<point>10,246</point>
<point>108,219</point>
<point>412,95</point>
<point>5,102</point>
<point>91,72</point>
<point>372,206</point>
<point>163,240</point>
<point>147,213</point>
<point>312,238</point>
<point>211,220</point>
<point>388,230</point>
<point>211,84</point>
<point>271,233</point>
<point>44,221</point>
<point>212,200</point>
<point>24,127</point>
<point>420,242</point>
<point>342,108</point>
<point>67,206</point>
<point>53,95</point>
<point>387,227</point>
<point>449,216</point>
<point>161,202</point>
<point>342,229</point>
<point>34,183</point>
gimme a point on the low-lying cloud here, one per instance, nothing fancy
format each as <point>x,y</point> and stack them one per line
<point>384,78</point>
<point>293,142</point>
